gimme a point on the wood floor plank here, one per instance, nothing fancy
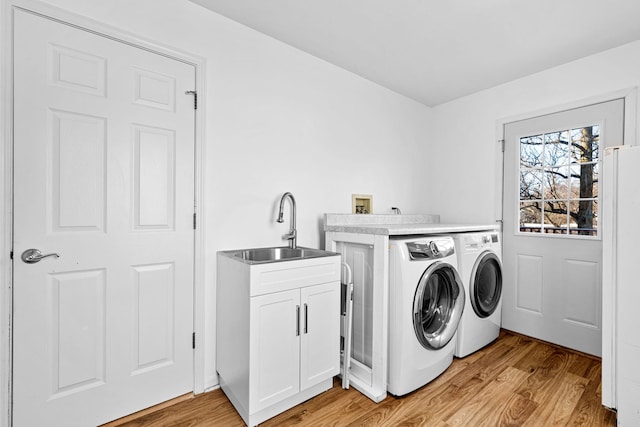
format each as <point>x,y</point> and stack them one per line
<point>495,402</point>
<point>535,358</point>
<point>545,376</point>
<point>495,359</point>
<point>563,399</point>
<point>515,381</point>
<point>345,405</point>
<point>589,410</point>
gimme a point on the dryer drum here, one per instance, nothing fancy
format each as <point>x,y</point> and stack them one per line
<point>438,305</point>
<point>485,288</point>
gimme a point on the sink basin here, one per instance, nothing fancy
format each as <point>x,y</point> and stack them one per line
<point>279,254</point>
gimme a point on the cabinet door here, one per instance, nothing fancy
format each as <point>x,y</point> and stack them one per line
<point>320,335</point>
<point>274,348</point>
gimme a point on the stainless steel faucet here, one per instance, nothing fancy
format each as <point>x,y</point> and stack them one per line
<point>293,234</point>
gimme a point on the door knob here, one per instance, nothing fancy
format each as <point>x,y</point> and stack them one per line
<point>31,256</point>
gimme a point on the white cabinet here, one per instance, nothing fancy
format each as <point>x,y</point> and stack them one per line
<point>319,341</point>
<point>275,348</point>
<point>294,344</point>
<point>278,330</point>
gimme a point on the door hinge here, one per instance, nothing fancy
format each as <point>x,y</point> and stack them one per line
<point>194,220</point>
<point>502,144</point>
<point>195,98</point>
<point>193,340</point>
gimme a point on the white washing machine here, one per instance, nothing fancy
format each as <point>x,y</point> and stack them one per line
<point>480,266</point>
<point>426,300</point>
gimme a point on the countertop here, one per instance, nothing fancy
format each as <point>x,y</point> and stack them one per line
<point>398,225</point>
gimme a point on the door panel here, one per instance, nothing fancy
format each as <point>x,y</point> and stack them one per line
<point>154,287</point>
<point>551,254</point>
<point>104,176</point>
<point>77,330</point>
<point>320,339</point>
<point>275,348</point>
<point>78,164</point>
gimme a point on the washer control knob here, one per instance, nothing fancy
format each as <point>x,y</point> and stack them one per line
<point>433,247</point>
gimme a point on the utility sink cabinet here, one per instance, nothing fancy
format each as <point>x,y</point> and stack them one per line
<point>278,332</point>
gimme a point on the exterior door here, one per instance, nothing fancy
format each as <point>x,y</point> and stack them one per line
<point>552,245</point>
<point>104,178</point>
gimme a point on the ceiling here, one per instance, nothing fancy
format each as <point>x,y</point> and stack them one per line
<point>437,51</point>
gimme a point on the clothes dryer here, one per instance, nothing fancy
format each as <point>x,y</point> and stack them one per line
<point>480,266</point>
<point>426,301</point>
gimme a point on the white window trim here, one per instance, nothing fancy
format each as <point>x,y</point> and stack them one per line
<point>597,199</point>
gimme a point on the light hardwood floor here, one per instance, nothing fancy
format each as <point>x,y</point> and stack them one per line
<point>516,381</point>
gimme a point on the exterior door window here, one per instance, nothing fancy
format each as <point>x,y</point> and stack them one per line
<point>559,181</point>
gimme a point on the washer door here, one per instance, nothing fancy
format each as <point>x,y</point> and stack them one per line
<point>438,305</point>
<point>485,288</point>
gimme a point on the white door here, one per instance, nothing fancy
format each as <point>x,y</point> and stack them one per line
<point>552,248</point>
<point>275,348</point>
<point>320,337</point>
<point>104,165</point>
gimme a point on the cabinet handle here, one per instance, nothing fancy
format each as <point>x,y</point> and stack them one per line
<point>305,317</point>
<point>297,320</point>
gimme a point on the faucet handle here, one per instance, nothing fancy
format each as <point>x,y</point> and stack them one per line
<point>291,235</point>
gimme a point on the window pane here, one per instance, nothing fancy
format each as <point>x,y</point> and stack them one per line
<point>556,149</point>
<point>585,144</point>
<point>531,151</point>
<point>584,181</point>
<point>555,216</point>
<point>530,217</point>
<point>584,217</point>
<point>556,183</point>
<point>596,179</point>
<point>530,184</point>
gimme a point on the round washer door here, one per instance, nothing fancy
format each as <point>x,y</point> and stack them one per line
<point>485,288</point>
<point>438,305</point>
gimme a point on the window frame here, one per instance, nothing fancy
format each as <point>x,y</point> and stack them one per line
<point>541,169</point>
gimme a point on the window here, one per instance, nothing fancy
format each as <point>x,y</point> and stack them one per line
<point>559,182</point>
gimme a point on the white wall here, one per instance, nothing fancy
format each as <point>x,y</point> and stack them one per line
<point>280,120</point>
<point>466,129</point>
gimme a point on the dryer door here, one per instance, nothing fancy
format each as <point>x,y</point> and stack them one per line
<point>485,288</point>
<point>438,305</point>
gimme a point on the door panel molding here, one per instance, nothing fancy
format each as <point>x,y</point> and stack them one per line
<point>7,9</point>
